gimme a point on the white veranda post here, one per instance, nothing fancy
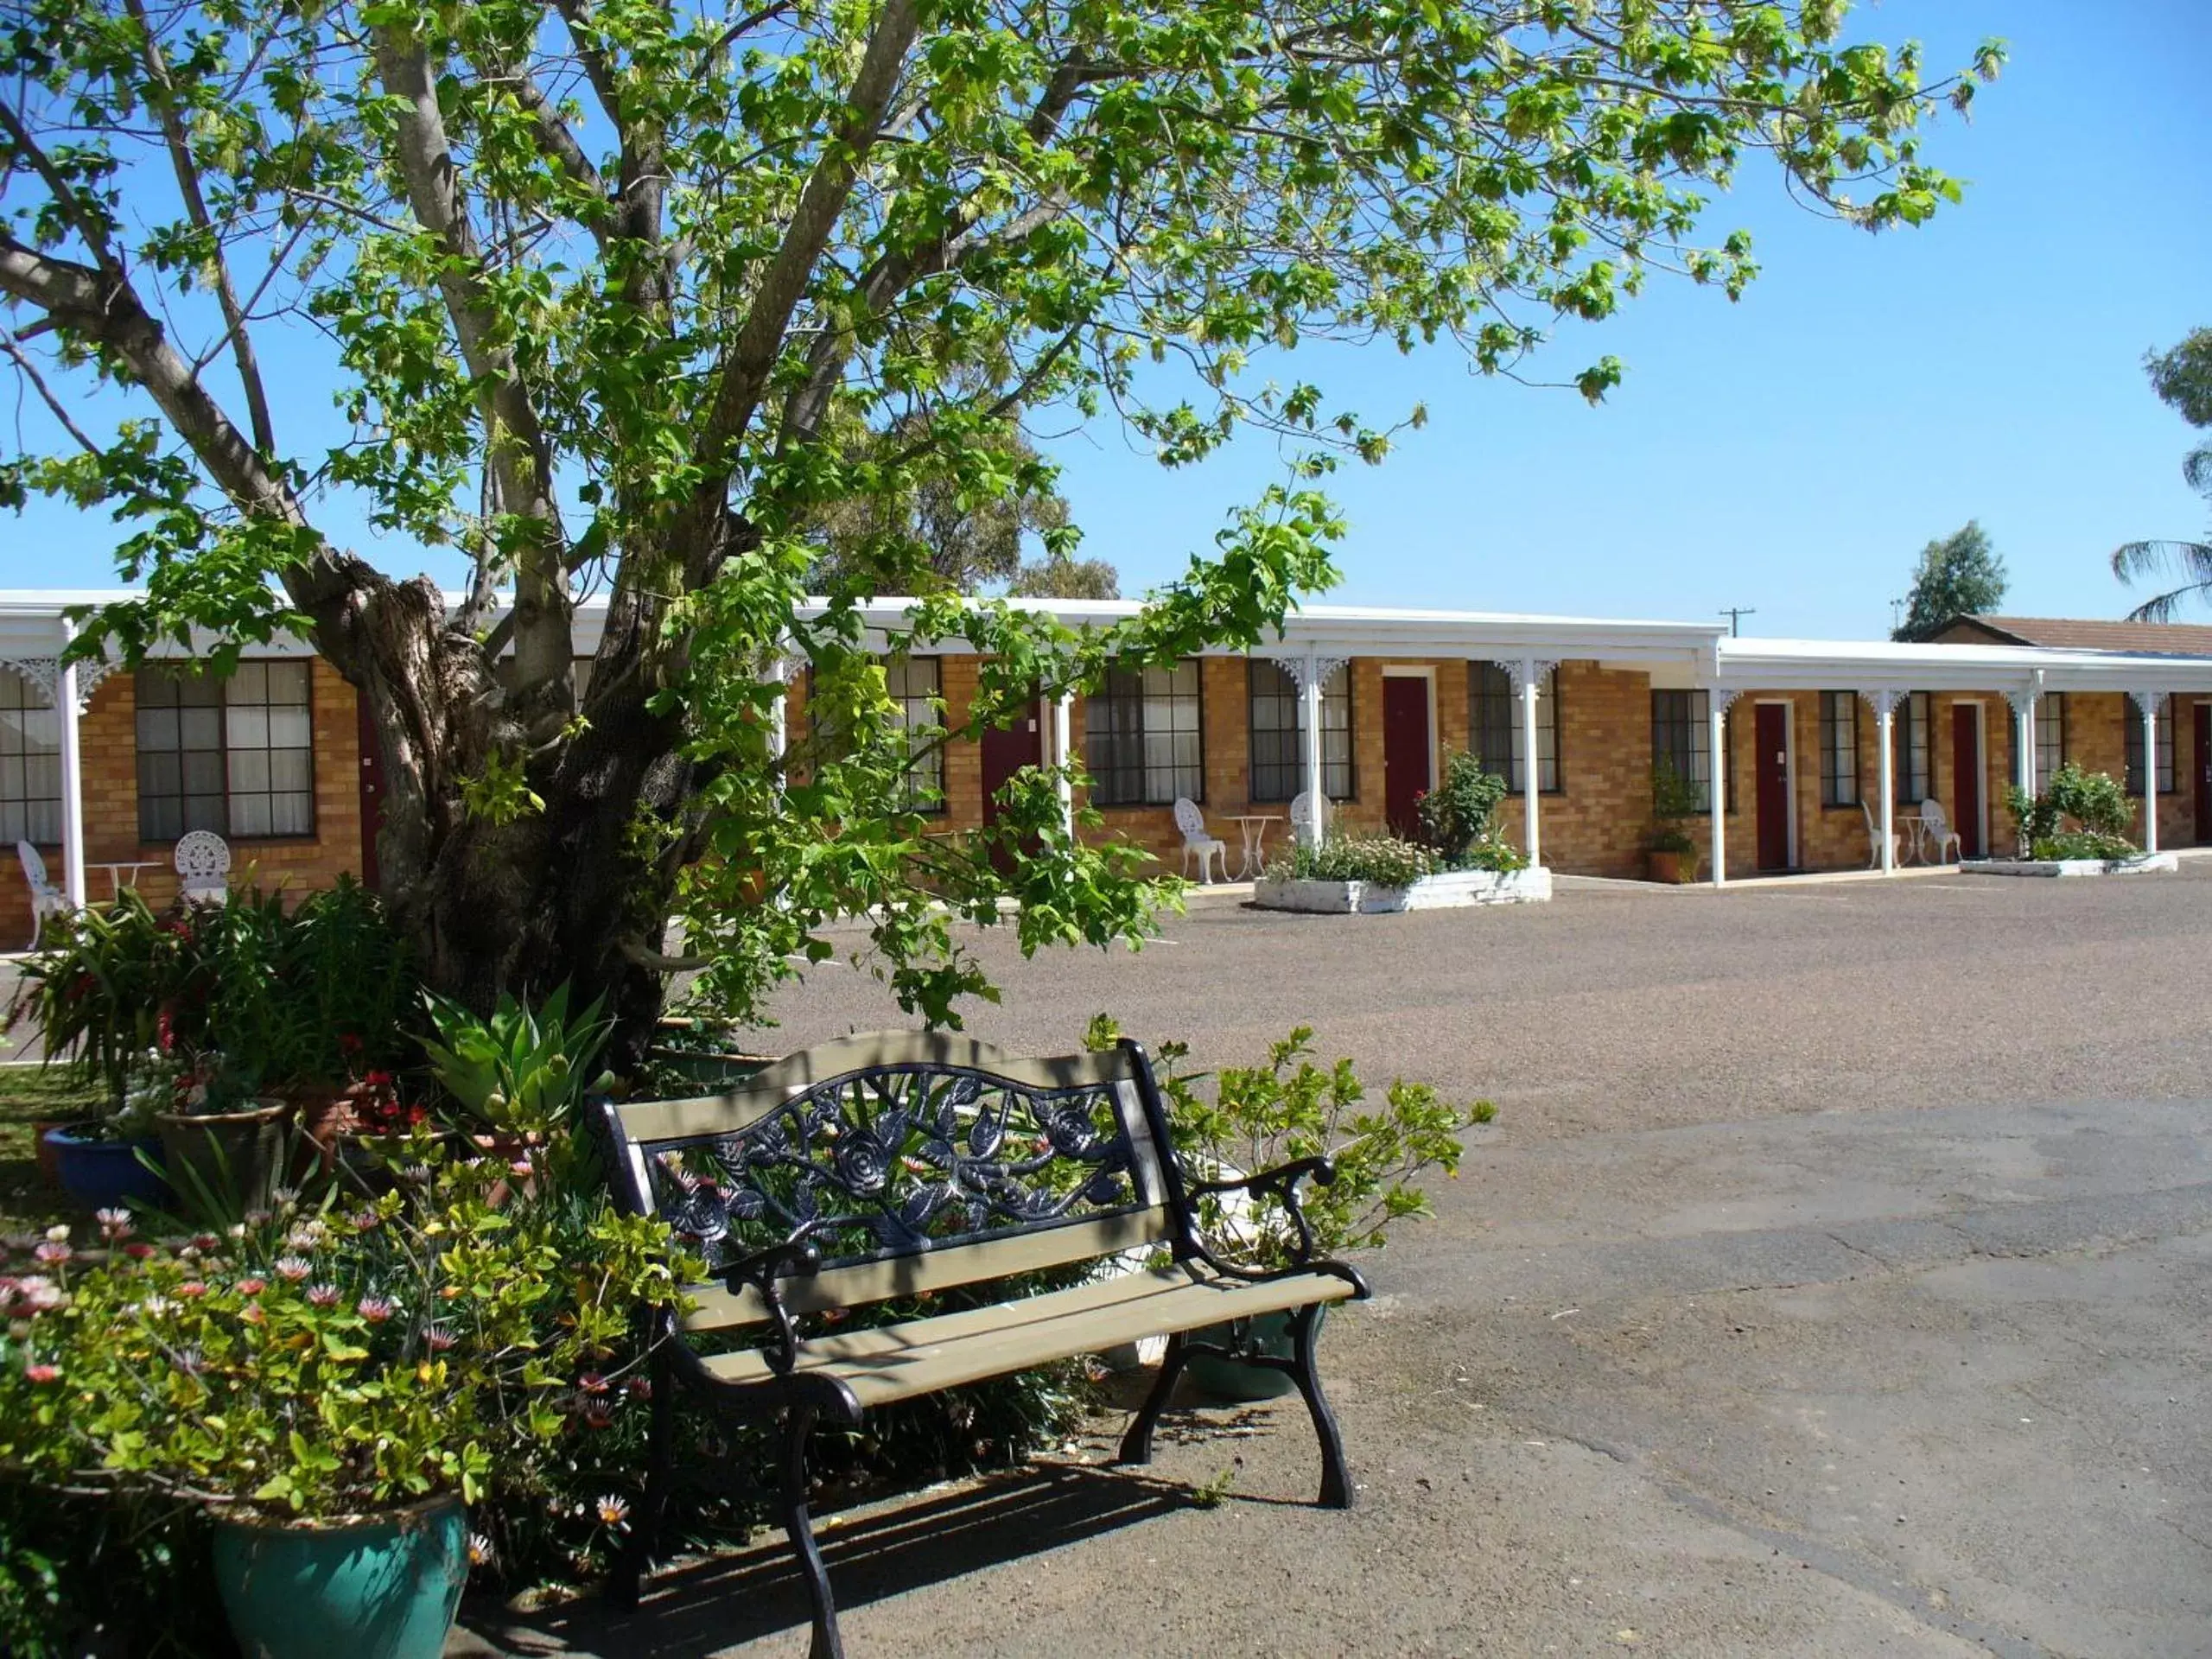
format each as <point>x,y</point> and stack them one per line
<point>2146,704</point>
<point>1886,705</point>
<point>1530,674</point>
<point>72,777</point>
<point>1063,728</point>
<point>1716,781</point>
<point>1310,671</point>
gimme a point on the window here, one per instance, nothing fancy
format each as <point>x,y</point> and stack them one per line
<point>1839,748</point>
<point>2131,720</point>
<point>236,756</point>
<point>1279,734</point>
<point>2050,737</point>
<point>1496,734</point>
<point>30,763</point>
<point>914,685</point>
<point>1143,741</point>
<point>1681,737</point>
<point>1914,724</point>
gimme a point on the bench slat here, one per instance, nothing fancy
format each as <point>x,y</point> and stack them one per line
<point>916,1274</point>
<point>651,1121</point>
<point>925,1355</point>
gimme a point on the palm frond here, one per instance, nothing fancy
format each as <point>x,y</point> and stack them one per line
<point>2192,560</point>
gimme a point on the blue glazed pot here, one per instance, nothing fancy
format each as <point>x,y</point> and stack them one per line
<point>105,1174</point>
<point>384,1588</point>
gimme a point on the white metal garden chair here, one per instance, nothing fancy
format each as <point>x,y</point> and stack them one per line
<point>1874,839</point>
<point>1192,823</point>
<point>1936,824</point>
<point>203,866</point>
<point>47,900</point>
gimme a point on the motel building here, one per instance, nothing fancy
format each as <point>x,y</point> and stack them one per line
<point>1803,753</point>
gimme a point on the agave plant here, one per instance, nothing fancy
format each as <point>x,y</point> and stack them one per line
<point>520,1072</point>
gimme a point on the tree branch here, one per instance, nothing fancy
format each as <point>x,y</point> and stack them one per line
<point>514,439</point>
<point>746,372</point>
<point>13,348</point>
<point>195,207</point>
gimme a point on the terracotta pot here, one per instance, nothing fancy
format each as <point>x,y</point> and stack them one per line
<point>238,1156</point>
<point>510,1147</point>
<point>1677,867</point>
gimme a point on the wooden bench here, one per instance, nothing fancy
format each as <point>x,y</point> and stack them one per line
<point>899,1164</point>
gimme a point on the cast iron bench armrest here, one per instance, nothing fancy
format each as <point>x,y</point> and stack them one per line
<point>796,1257</point>
<point>1281,1183</point>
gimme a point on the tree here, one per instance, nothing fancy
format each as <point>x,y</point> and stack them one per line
<point>605,291</point>
<point>1960,576</point>
<point>976,538</point>
<point>2183,379</point>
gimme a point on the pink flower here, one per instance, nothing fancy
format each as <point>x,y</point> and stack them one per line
<point>366,1221</point>
<point>322,1295</point>
<point>138,1252</point>
<point>42,1373</point>
<point>252,1286</point>
<point>437,1339</point>
<point>613,1511</point>
<point>114,1224</point>
<point>53,1254</point>
<point>192,1288</point>
<point>375,1309</point>
<point>592,1383</point>
<point>205,1242</point>
<point>293,1268</point>
<point>640,1388</point>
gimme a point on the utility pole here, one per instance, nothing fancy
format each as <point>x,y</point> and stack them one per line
<point>1897,614</point>
<point>1735,613</point>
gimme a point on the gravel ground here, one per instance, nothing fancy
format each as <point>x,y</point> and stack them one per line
<point>1835,1279</point>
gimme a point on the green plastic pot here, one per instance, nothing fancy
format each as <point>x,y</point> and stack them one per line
<point>237,1157</point>
<point>1232,1380</point>
<point>382,1588</point>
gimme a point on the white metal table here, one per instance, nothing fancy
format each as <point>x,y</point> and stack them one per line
<point>1254,828</point>
<point>134,865</point>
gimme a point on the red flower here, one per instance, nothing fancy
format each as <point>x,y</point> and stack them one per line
<point>348,1043</point>
<point>42,1373</point>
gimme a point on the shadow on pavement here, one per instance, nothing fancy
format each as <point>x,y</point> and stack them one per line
<point>702,1607</point>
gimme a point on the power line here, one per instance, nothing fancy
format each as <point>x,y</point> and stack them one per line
<point>1735,613</point>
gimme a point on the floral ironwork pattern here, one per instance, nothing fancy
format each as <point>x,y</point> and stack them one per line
<point>897,1161</point>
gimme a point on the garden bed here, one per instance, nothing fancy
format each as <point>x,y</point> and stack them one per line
<point>1450,888</point>
<point>2140,864</point>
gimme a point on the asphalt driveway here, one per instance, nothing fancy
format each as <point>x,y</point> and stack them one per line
<point>1837,1278</point>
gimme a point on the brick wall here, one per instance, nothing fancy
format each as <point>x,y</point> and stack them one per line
<point>107,740</point>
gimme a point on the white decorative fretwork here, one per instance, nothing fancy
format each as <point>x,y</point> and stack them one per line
<point>1721,698</point>
<point>1883,701</point>
<point>1537,671</point>
<point>2146,703</point>
<point>2022,701</point>
<point>44,672</point>
<point>1324,668</point>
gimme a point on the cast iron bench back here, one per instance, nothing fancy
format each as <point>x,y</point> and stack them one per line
<point>913,1162</point>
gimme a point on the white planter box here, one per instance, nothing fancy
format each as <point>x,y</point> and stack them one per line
<point>2141,864</point>
<point>1530,887</point>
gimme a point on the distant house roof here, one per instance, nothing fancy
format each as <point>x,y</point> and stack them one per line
<point>2080,634</point>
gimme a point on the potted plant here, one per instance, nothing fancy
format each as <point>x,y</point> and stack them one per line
<point>224,1142</point>
<point>113,1161</point>
<point>1669,853</point>
<point>333,1386</point>
<point>519,1077</point>
<point>1263,1117</point>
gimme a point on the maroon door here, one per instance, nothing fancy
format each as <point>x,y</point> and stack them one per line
<point>1771,766</point>
<point>1407,750</point>
<point>2201,817</point>
<point>1006,749</point>
<point>1966,775</point>
<point>371,793</point>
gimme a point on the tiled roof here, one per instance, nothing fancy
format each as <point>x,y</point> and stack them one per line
<point>2083,633</point>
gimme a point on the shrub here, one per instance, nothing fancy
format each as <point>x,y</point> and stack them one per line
<point>1383,860</point>
<point>2093,802</point>
<point>309,996</point>
<point>1263,1116</point>
<point>1458,812</point>
<point>1674,798</point>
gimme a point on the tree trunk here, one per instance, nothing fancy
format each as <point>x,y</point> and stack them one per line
<point>568,893</point>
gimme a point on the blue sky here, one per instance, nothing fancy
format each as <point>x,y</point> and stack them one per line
<point>1790,453</point>
<point>1793,452</point>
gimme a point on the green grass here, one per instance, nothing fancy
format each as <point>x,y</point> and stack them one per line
<point>27,1092</point>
